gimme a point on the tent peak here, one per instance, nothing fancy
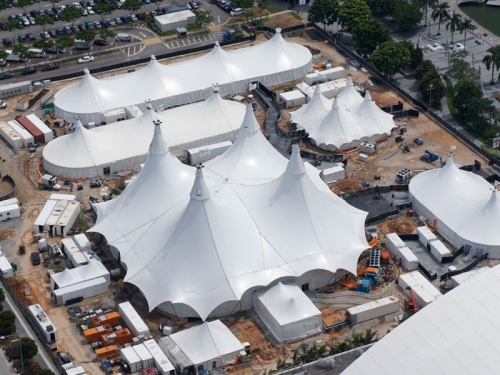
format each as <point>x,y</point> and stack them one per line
<point>86,71</point>
<point>349,81</point>
<point>295,165</point>
<point>250,124</point>
<point>199,191</point>
<point>278,30</point>
<point>153,58</point>
<point>215,89</point>
<point>368,96</point>
<point>217,43</point>
<point>335,104</point>
<point>158,145</point>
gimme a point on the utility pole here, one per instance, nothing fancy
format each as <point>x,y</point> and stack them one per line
<point>431,86</point>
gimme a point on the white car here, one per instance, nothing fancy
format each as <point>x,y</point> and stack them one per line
<point>45,35</point>
<point>3,104</point>
<point>458,47</point>
<point>84,12</point>
<point>133,18</point>
<point>237,12</point>
<point>77,5</point>
<point>85,59</point>
<point>61,7</point>
<point>90,10</point>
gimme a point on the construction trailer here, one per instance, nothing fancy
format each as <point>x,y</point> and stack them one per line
<point>424,292</point>
<point>111,318</point>
<point>95,334</point>
<point>133,320</point>
<point>40,135</point>
<point>43,323</point>
<point>292,99</point>
<point>26,136</point>
<point>425,236</point>
<point>10,135</point>
<point>333,174</point>
<point>5,266</point>
<point>132,359</point>
<point>161,362</point>
<point>9,209</point>
<point>373,310</point>
<point>86,289</point>
<point>67,218</point>
<point>81,240</point>
<point>68,277</point>
<point>408,259</point>
<point>202,154</point>
<point>393,242</point>
<point>73,252</point>
<point>145,356</point>
<point>439,250</point>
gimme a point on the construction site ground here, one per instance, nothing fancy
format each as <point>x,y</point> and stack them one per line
<point>31,282</point>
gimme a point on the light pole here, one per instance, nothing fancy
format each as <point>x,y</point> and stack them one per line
<point>430,94</point>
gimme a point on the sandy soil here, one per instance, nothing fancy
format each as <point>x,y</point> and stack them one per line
<point>330,316</point>
<point>401,225</point>
<point>283,20</point>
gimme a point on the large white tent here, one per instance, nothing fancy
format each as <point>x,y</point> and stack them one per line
<point>273,62</point>
<point>124,145</point>
<point>455,335</point>
<point>287,312</point>
<point>249,218</point>
<point>465,206</point>
<point>344,123</point>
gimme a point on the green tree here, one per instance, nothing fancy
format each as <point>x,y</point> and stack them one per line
<point>423,68</point>
<point>23,52</point>
<point>46,371</point>
<point>44,21</point>
<point>425,5</point>
<point>43,44</point>
<point>7,322</point>
<point>107,34</point>
<point>23,4</point>
<point>204,17</point>
<point>465,25</point>
<point>86,35</point>
<point>70,14</point>
<point>438,88</point>
<point>407,15</point>
<point>390,58</point>
<point>132,6</point>
<point>416,54</point>
<point>368,36</point>
<point>440,13</point>
<point>14,27</point>
<point>353,13</point>
<point>492,60</point>
<point>64,41</point>
<point>3,55</point>
<point>247,6</point>
<point>454,24</point>
<point>388,7</point>
<point>459,69</point>
<point>29,349</point>
<point>103,10</point>
<point>324,11</point>
<point>263,5</point>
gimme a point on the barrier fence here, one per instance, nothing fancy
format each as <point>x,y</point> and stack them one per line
<point>465,269</point>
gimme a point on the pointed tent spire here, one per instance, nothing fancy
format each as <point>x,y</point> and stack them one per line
<point>295,165</point>
<point>78,125</point>
<point>317,90</point>
<point>278,30</point>
<point>199,191</point>
<point>158,145</point>
<point>86,71</point>
<point>368,96</point>
<point>349,81</point>
<point>153,58</point>
<point>250,124</point>
<point>335,104</point>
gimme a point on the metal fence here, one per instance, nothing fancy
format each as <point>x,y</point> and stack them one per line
<point>465,269</point>
<point>12,193</point>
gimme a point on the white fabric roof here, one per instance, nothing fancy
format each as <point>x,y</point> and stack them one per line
<point>257,218</point>
<point>313,111</point>
<point>93,270</point>
<point>456,334</point>
<point>86,151</point>
<point>67,277</point>
<point>287,303</point>
<point>186,81</point>
<point>466,206</point>
<point>207,341</point>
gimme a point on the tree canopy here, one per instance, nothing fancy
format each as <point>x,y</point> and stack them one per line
<point>407,15</point>
<point>368,36</point>
<point>390,58</point>
<point>417,55</point>
<point>492,60</point>
<point>353,13</point>
<point>70,14</point>
<point>132,5</point>
<point>459,69</point>
<point>28,348</point>
<point>7,322</point>
<point>324,11</point>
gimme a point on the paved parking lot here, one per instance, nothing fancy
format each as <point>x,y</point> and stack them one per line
<point>194,40</point>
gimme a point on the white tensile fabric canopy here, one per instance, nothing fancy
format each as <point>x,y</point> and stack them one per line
<point>456,334</point>
<point>346,122</point>
<point>273,62</point>
<point>250,217</point>
<point>287,312</point>
<point>465,206</point>
<point>124,145</point>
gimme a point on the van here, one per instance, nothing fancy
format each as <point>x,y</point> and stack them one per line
<point>37,52</point>
<point>124,38</point>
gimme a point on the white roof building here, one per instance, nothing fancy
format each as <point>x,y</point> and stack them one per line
<point>465,206</point>
<point>273,62</point>
<point>257,218</point>
<point>93,270</point>
<point>124,145</point>
<point>457,334</point>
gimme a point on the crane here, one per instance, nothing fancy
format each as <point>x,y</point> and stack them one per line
<point>412,305</point>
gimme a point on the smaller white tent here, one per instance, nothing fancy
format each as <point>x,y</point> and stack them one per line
<point>372,119</point>
<point>287,312</point>
<point>313,111</point>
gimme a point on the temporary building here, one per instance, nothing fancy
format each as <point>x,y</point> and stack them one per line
<point>25,135</point>
<point>205,347</point>
<point>424,292</point>
<point>465,206</point>
<point>93,270</point>
<point>456,334</point>
<point>287,312</point>
<point>41,132</point>
<point>162,364</point>
<point>5,267</point>
<point>43,323</point>
<point>85,289</point>
<point>9,209</point>
<point>10,135</point>
<point>257,218</point>
<point>124,145</point>
<point>271,63</point>
<point>73,252</point>
<point>132,319</point>
<point>292,98</point>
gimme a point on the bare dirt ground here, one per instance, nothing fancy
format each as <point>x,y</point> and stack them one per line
<point>332,316</point>
<point>401,225</point>
<point>283,20</point>
<point>345,186</point>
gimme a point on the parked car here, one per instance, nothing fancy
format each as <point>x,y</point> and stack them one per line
<point>6,75</point>
<point>100,42</point>
<point>97,25</point>
<point>193,5</point>
<point>81,27</point>
<point>118,21</point>
<point>236,12</point>
<point>75,29</point>
<point>140,16</point>
<point>28,70</point>
<point>50,66</point>
<point>35,258</point>
<point>111,22</point>
<point>30,37</point>
<point>21,38</point>
<point>133,18</point>
<point>54,49</point>
<point>3,105</point>
<point>44,35</point>
<point>125,19</point>
<point>60,32</point>
<point>7,42</point>
<point>52,33</point>
<point>85,59</point>
<point>64,358</point>
<point>68,30</point>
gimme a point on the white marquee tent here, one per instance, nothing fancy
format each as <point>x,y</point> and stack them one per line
<point>455,335</point>
<point>287,312</point>
<point>124,145</point>
<point>465,206</point>
<point>273,62</point>
<point>313,111</point>
<point>248,219</point>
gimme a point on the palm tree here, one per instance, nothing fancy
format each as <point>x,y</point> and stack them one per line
<point>440,13</point>
<point>454,24</point>
<point>492,61</point>
<point>425,4</point>
<point>465,25</point>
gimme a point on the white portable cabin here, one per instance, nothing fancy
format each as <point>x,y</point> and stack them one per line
<point>287,312</point>
<point>9,209</point>
<point>73,252</point>
<point>85,289</point>
<point>75,370</point>
<point>145,356</point>
<point>63,197</point>
<point>82,241</point>
<point>39,225</point>
<point>422,289</point>
<point>393,242</point>
<point>333,174</point>
<point>439,250</point>
<point>292,98</point>
<point>205,153</point>
<point>67,218</point>
<point>328,74</point>
<point>91,271</point>
<point>132,359</point>
<point>373,310</point>
<point>466,276</point>
<point>5,266</point>
<point>162,363</point>
<point>408,259</point>
<point>25,135</point>
<point>47,132</point>
<point>54,216</point>
<point>367,148</point>
<point>425,236</point>
<point>132,319</point>
<point>45,326</point>
<point>10,135</point>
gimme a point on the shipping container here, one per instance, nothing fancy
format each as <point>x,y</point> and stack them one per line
<point>408,259</point>
<point>132,319</point>
<point>425,236</point>
<point>292,98</point>
<point>112,319</point>
<point>107,352</point>
<point>25,135</point>
<point>47,132</point>
<point>82,242</point>
<point>439,250</point>
<point>132,359</point>
<point>466,276</point>
<point>373,310</point>
<point>37,134</point>
<point>96,333</point>
<point>67,219</point>
<point>144,355</point>
<point>202,154</point>
<point>10,135</point>
<point>423,290</point>
<point>120,337</point>
<point>393,242</point>
<point>75,370</point>
<point>333,174</point>
<point>162,363</point>
<point>86,289</point>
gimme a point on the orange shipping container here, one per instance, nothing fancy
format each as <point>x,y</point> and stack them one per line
<point>95,334</point>
<point>112,319</point>
<point>121,337</point>
<point>107,351</point>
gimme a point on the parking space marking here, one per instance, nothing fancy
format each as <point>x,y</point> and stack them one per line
<point>193,40</point>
